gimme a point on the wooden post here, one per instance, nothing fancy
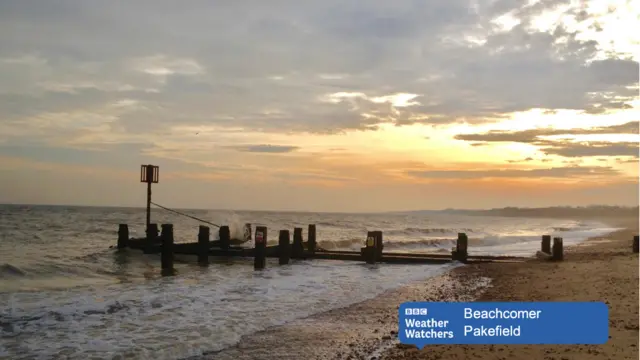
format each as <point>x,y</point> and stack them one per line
<point>123,235</point>
<point>297,251</point>
<point>225,237</point>
<point>152,233</point>
<point>260,248</point>
<point>284,247</point>
<point>149,174</point>
<point>370,253</point>
<point>546,244</point>
<point>557,250</point>
<point>379,245</point>
<point>166,258</point>
<point>203,245</point>
<point>247,232</point>
<point>151,239</point>
<point>148,222</point>
<point>635,244</point>
<point>460,252</point>
<point>311,234</point>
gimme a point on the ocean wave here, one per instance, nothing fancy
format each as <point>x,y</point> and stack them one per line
<point>48,269</point>
<point>340,244</point>
<point>447,238</point>
<point>168,314</point>
<point>411,244</point>
<point>560,228</point>
<point>13,324</point>
<point>342,224</point>
<point>427,231</point>
<point>8,270</point>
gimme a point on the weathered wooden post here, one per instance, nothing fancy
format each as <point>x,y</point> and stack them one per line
<point>379,245</point>
<point>557,250</point>
<point>312,238</point>
<point>224,233</point>
<point>152,233</point>
<point>284,247</point>
<point>546,244</point>
<point>297,251</point>
<point>370,252</point>
<point>247,232</point>
<point>166,255</point>
<point>635,244</point>
<point>123,235</point>
<point>149,174</point>
<point>460,252</point>
<point>260,248</point>
<point>152,238</point>
<point>203,245</point>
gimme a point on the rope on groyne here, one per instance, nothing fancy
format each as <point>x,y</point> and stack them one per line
<point>183,214</point>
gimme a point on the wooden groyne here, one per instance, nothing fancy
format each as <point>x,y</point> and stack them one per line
<point>161,240</point>
<point>287,250</point>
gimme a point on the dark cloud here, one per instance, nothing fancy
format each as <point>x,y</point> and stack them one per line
<point>520,161</point>
<point>531,136</point>
<point>557,172</point>
<point>265,148</point>
<point>563,147</point>
<point>568,149</point>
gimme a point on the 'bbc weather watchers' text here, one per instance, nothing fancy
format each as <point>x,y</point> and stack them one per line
<point>503,323</point>
<point>432,328</point>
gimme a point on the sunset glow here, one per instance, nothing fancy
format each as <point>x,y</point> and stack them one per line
<point>368,108</point>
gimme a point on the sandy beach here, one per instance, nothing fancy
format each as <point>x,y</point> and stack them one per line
<point>598,269</point>
<point>602,268</point>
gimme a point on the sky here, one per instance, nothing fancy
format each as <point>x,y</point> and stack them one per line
<point>333,105</point>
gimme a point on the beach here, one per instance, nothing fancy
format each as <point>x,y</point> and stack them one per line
<point>600,269</point>
<point>66,293</point>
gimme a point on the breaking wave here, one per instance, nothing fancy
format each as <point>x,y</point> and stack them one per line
<point>8,270</point>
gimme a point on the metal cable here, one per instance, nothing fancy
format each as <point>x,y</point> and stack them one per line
<point>183,214</point>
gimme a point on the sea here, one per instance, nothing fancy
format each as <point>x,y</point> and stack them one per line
<point>67,293</point>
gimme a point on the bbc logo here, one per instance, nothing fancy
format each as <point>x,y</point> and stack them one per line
<point>415,311</point>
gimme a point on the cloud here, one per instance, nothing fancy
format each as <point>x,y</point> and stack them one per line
<point>627,161</point>
<point>568,149</point>
<point>231,64</point>
<point>212,90</point>
<point>265,148</point>
<point>519,161</point>
<point>556,172</point>
<point>542,138</point>
<point>533,135</point>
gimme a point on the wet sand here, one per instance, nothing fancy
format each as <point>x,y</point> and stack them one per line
<point>598,269</point>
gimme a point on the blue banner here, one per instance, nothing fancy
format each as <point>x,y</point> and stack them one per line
<point>425,323</point>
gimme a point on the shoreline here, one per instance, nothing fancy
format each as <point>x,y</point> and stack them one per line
<point>606,262</point>
<point>367,330</point>
<point>353,332</point>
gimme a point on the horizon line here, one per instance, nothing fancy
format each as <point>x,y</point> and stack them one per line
<point>339,212</point>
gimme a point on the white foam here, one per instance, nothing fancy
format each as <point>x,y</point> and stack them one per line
<point>529,244</point>
<point>192,313</point>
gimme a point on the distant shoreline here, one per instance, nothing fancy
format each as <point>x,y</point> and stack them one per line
<point>592,211</point>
